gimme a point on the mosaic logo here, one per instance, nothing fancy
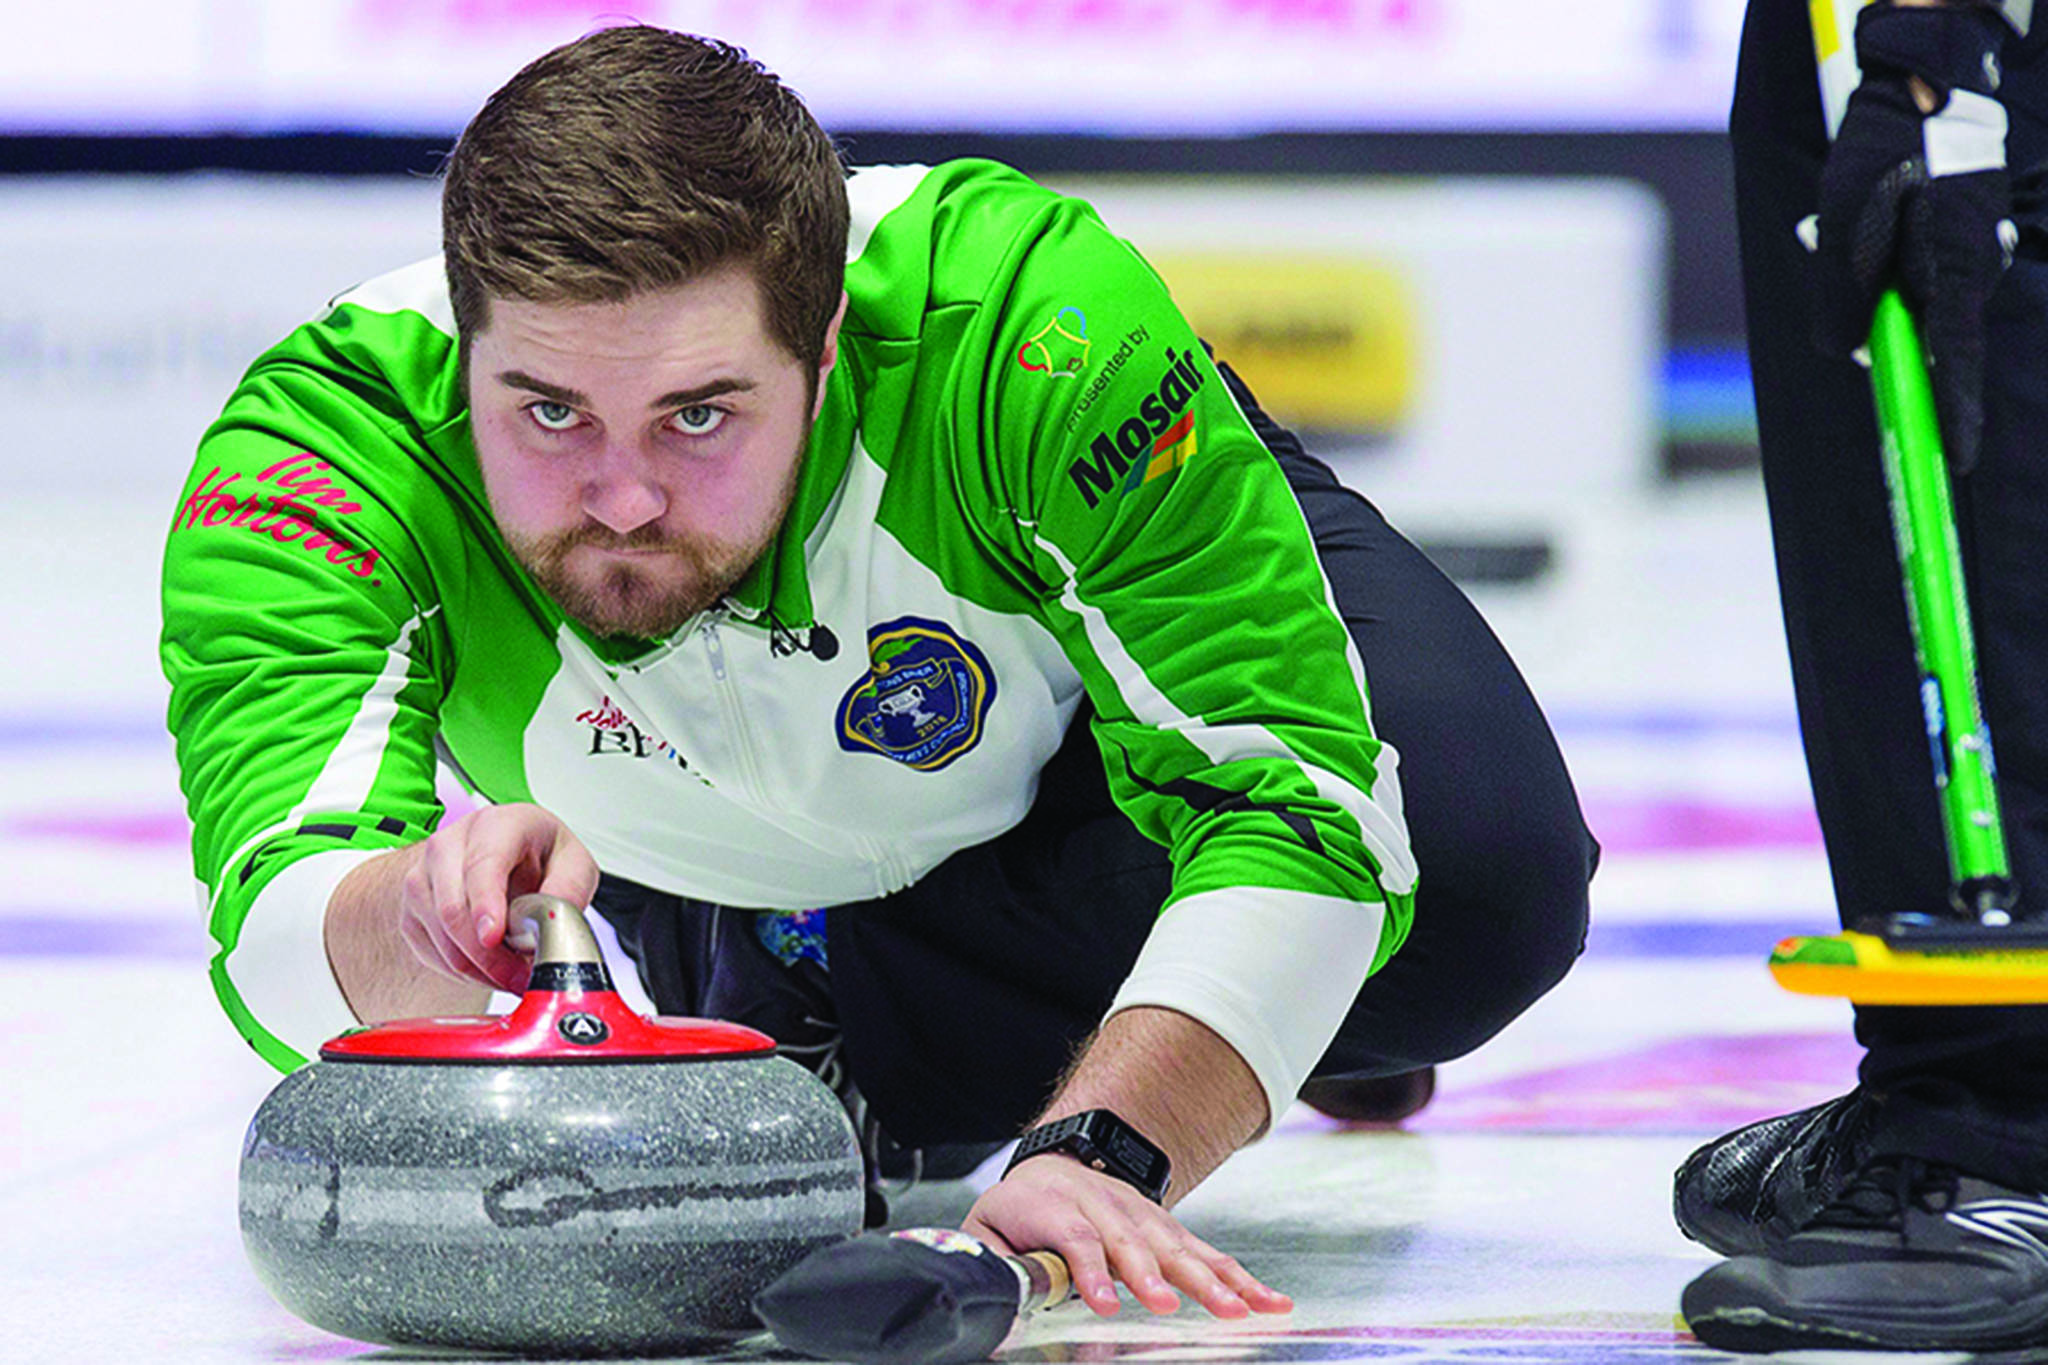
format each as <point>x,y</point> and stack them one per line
<point>1060,348</point>
<point>925,697</point>
<point>1151,443</point>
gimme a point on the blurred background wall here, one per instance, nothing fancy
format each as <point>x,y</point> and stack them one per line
<point>1481,249</point>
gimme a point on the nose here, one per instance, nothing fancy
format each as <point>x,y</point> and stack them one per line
<point>622,492</point>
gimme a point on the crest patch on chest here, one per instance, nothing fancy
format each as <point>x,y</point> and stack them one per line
<point>924,699</point>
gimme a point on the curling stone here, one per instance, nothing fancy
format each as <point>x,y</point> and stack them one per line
<point>570,1178</point>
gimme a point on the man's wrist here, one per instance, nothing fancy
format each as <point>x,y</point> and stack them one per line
<point>1101,1140</point>
<point>367,954</point>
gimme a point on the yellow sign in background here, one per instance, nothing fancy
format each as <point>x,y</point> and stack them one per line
<point>1326,341</point>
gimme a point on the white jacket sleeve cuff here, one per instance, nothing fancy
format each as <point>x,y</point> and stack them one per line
<point>1271,972</point>
<point>279,965</point>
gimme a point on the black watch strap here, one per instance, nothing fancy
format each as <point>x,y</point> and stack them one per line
<point>1098,1138</point>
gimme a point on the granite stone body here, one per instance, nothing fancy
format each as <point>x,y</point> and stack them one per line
<point>564,1208</point>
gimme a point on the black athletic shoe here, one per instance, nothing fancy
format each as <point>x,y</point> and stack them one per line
<point>1747,1191</point>
<point>1912,1256</point>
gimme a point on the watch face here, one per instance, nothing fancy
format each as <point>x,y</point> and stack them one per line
<point>1135,1155</point>
<point>1102,1140</point>
<point>1126,1151</point>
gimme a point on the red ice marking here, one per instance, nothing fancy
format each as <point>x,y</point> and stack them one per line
<point>154,827</point>
<point>1632,826</point>
<point>1680,1086</point>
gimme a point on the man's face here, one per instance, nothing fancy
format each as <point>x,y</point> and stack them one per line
<point>639,456</point>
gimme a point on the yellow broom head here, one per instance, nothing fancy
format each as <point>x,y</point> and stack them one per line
<point>1864,968</point>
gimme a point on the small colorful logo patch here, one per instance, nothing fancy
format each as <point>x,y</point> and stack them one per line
<point>793,936</point>
<point>925,697</point>
<point>942,1239</point>
<point>1060,348</point>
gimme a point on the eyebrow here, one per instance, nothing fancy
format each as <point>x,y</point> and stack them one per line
<point>576,398</point>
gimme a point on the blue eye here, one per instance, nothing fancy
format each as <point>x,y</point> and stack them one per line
<point>699,419</point>
<point>552,416</point>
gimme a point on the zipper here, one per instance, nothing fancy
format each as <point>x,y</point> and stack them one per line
<point>660,653</point>
<point>890,865</point>
<point>716,650</point>
<point>734,713</point>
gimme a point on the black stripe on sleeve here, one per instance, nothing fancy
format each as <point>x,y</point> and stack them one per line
<point>1207,799</point>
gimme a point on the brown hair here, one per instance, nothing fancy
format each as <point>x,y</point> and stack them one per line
<point>635,159</point>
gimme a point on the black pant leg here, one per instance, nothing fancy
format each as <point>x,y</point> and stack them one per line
<point>965,996</point>
<point>1957,1075</point>
<point>1504,854</point>
<point>1838,575</point>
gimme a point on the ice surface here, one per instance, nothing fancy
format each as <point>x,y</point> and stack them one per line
<point>1523,1218</point>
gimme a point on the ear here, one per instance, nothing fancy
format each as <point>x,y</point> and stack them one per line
<point>829,356</point>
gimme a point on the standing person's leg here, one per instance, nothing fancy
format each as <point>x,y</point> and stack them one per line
<point>1844,617</point>
<point>965,996</point>
<point>1839,578</point>
<point>1822,1207</point>
<point>1845,620</point>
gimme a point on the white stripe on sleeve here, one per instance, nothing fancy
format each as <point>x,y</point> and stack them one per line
<point>1380,822</point>
<point>352,765</point>
<point>279,963</point>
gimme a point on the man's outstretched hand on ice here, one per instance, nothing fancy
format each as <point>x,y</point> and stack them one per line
<point>1107,1231</point>
<point>1914,195</point>
<point>1189,1092</point>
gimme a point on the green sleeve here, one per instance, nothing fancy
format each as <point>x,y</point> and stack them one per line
<point>302,662</point>
<point>1181,579</point>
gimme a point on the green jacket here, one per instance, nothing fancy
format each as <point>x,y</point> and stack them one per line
<point>1028,484</point>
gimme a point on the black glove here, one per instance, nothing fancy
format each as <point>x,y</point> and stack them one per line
<point>1921,201</point>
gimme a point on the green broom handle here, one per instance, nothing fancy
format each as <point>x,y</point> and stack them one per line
<point>1924,527</point>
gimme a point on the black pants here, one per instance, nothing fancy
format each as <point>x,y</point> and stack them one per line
<point>964,997</point>
<point>1967,1085</point>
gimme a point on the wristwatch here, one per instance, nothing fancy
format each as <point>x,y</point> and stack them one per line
<point>1098,1138</point>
